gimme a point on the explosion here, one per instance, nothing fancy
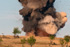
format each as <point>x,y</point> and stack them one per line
<point>40,17</point>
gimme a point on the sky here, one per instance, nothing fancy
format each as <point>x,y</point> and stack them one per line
<point>10,18</point>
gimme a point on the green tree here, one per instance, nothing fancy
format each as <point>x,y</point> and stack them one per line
<point>16,31</point>
<point>62,42</point>
<point>51,37</point>
<point>66,38</point>
<point>23,41</point>
<point>31,40</point>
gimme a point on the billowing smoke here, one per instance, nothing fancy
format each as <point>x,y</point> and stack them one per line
<point>40,17</point>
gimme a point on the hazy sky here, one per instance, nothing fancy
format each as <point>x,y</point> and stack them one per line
<point>10,18</point>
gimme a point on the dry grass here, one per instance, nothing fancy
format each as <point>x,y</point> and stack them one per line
<point>10,41</point>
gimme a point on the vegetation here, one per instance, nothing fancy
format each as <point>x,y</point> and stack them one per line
<point>16,31</point>
<point>66,38</point>
<point>62,42</point>
<point>23,41</point>
<point>31,41</point>
<point>0,40</point>
<point>51,37</point>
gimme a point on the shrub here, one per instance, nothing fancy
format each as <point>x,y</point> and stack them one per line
<point>66,38</point>
<point>51,37</point>
<point>23,41</point>
<point>31,41</point>
<point>62,42</point>
<point>0,40</point>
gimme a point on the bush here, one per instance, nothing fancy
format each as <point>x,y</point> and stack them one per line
<point>0,40</point>
<point>62,42</point>
<point>23,41</point>
<point>67,38</point>
<point>31,41</point>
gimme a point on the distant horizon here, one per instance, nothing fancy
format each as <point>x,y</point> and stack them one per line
<point>10,17</point>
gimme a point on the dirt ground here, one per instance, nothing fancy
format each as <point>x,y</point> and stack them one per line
<point>10,41</point>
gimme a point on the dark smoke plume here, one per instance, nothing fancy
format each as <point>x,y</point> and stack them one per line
<point>40,15</point>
